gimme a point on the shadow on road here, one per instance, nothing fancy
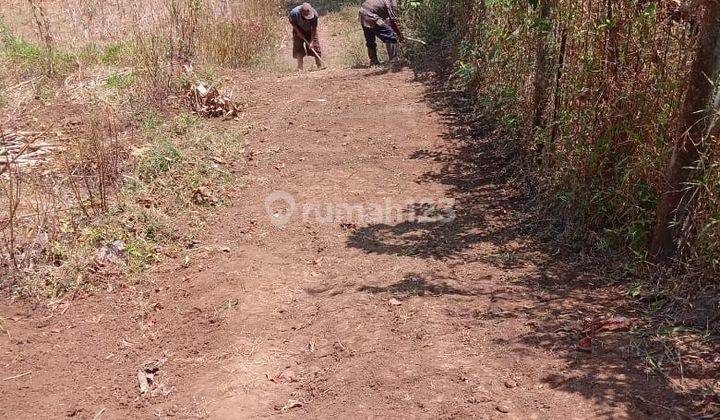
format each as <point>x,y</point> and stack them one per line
<point>416,284</point>
<point>555,289</point>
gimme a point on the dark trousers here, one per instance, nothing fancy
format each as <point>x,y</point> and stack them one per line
<point>385,33</point>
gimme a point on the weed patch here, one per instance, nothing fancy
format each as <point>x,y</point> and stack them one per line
<point>122,224</point>
<point>120,81</point>
<point>31,58</point>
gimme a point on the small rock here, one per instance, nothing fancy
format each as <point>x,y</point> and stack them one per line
<point>394,302</point>
<point>511,384</point>
<point>503,408</point>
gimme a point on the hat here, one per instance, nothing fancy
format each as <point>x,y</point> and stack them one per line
<point>307,11</point>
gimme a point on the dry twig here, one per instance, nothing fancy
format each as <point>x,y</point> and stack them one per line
<point>17,376</point>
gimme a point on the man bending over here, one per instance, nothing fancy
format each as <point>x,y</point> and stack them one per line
<point>379,19</point>
<point>304,21</point>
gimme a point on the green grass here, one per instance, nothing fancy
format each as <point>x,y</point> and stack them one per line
<point>139,251</point>
<point>109,55</point>
<point>16,48</point>
<point>150,123</point>
<point>184,122</point>
<point>120,81</point>
<point>182,157</point>
<point>31,57</point>
<point>161,158</point>
<point>112,54</point>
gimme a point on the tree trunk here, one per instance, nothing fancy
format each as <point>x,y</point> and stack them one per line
<point>691,144</point>
<point>543,64</point>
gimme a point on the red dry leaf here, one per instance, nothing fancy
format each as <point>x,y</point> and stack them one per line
<point>613,323</point>
<point>585,345</point>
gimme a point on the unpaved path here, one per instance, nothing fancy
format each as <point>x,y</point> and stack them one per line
<point>350,319</point>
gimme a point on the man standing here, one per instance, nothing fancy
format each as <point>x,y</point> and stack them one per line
<point>379,19</point>
<point>304,21</point>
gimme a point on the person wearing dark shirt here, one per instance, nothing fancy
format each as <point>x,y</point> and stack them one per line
<point>304,21</point>
<point>379,20</point>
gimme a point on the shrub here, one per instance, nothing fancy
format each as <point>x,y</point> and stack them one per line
<point>616,76</point>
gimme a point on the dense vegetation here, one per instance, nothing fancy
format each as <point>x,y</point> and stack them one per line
<point>610,103</point>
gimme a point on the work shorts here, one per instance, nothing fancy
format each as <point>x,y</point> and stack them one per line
<point>300,49</point>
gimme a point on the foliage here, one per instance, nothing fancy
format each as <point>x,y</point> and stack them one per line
<point>618,76</point>
<point>30,57</point>
<point>112,54</point>
<point>235,37</point>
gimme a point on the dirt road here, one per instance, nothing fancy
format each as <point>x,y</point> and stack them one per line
<point>469,315</point>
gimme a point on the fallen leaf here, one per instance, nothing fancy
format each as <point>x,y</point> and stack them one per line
<point>503,408</point>
<point>144,380</point>
<point>394,302</point>
<point>292,404</point>
<point>607,324</point>
<point>585,345</point>
<point>283,377</point>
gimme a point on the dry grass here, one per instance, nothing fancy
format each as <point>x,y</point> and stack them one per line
<point>101,81</point>
<point>109,208</point>
<point>355,53</point>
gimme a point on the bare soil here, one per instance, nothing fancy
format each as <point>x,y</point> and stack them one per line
<point>476,318</point>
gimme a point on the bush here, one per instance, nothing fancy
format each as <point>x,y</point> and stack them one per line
<point>616,77</point>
